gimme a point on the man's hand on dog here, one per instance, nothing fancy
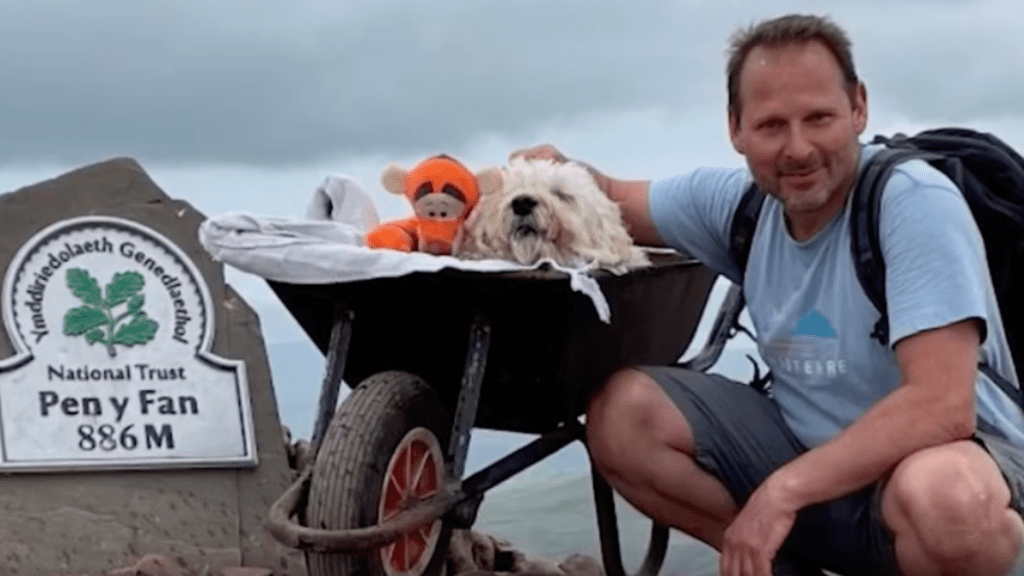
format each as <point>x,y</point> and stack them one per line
<point>549,152</point>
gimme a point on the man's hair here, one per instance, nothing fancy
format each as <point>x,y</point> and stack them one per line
<point>787,31</point>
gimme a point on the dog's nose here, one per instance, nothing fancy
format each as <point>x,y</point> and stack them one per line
<point>523,205</point>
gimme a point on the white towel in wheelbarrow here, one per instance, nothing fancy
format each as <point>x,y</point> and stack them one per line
<point>327,248</point>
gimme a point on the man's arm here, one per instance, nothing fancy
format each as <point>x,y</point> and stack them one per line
<point>632,198</point>
<point>934,405</point>
<point>630,195</point>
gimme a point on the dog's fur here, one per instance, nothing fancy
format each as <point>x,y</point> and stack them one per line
<point>550,211</point>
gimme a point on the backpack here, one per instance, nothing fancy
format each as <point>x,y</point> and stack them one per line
<point>989,174</point>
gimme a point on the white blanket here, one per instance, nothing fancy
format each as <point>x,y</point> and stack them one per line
<point>327,248</point>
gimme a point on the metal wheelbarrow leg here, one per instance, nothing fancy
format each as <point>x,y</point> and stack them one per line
<point>608,530</point>
<point>725,326</point>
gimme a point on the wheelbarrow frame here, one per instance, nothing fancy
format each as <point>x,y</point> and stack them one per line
<point>458,501</point>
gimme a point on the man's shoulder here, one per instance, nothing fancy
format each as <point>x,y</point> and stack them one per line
<point>917,186</point>
<point>922,209</point>
<point>909,174</point>
<point>917,173</point>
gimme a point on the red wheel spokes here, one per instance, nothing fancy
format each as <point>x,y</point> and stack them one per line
<point>397,489</point>
<point>413,476</point>
<point>408,470</point>
<point>424,482</point>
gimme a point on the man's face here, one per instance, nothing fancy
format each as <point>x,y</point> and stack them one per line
<point>798,127</point>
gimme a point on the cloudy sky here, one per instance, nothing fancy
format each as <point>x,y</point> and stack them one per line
<point>248,104</point>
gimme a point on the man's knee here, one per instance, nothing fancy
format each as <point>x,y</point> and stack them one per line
<point>617,402</point>
<point>949,499</point>
<point>630,410</point>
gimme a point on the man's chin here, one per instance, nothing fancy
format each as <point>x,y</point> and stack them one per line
<point>796,201</point>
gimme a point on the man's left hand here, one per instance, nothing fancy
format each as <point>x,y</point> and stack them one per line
<point>750,543</point>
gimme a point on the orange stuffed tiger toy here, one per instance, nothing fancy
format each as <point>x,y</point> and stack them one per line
<point>442,192</point>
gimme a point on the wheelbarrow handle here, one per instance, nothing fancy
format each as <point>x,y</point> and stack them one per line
<point>290,533</point>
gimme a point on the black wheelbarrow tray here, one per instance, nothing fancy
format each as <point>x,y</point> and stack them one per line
<point>430,356</point>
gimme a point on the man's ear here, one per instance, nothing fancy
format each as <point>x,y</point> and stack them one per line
<point>734,132</point>
<point>394,178</point>
<point>489,180</point>
<point>860,107</point>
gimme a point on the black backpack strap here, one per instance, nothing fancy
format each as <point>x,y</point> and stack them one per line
<point>865,245</point>
<point>1014,393</point>
<point>744,221</point>
<point>741,236</point>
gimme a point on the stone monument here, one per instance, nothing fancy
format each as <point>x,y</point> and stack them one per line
<point>137,413</point>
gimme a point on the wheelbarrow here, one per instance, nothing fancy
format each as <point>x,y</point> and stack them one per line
<point>432,355</point>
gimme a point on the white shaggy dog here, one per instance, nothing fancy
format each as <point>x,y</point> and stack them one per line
<point>550,211</point>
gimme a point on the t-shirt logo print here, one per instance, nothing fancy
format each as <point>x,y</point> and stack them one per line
<point>815,324</point>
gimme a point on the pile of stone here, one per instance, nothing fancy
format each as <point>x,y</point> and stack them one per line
<point>471,553</point>
<point>163,565</point>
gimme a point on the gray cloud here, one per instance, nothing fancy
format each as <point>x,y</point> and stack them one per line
<point>958,61</point>
<point>262,82</point>
<point>262,86</point>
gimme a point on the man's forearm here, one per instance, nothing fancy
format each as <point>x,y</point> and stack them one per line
<point>908,420</point>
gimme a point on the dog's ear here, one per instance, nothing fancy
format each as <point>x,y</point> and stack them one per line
<point>394,178</point>
<point>489,180</point>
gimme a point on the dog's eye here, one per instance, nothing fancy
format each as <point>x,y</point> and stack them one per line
<point>562,195</point>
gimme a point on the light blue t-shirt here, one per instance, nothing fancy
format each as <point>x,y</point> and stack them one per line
<point>813,319</point>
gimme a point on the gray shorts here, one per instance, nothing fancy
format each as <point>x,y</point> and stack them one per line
<point>740,437</point>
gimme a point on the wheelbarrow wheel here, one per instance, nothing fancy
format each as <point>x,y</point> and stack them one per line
<point>382,452</point>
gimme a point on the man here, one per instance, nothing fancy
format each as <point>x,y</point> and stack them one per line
<point>864,459</point>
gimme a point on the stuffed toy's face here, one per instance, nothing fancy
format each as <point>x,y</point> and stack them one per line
<point>438,188</point>
<point>439,207</point>
<point>442,192</point>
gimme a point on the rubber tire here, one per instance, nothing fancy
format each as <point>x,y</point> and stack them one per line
<point>345,488</point>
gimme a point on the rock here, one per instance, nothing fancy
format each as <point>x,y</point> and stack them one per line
<point>303,455</point>
<point>470,551</point>
<point>155,565</point>
<point>247,572</point>
<point>300,452</point>
<point>536,567</point>
<point>581,565</point>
